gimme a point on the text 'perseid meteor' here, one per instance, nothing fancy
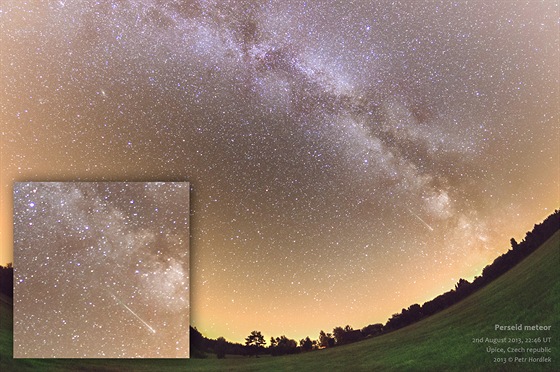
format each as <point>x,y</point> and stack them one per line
<point>424,222</point>
<point>133,313</point>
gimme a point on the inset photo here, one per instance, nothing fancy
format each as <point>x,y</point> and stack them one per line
<point>101,270</point>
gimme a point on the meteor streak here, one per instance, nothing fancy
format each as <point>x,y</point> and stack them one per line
<point>424,222</point>
<point>133,313</point>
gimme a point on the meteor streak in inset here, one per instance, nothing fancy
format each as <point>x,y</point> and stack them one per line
<point>424,222</point>
<point>133,313</point>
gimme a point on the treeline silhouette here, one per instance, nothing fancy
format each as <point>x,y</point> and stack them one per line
<point>518,251</point>
<point>7,280</point>
<point>282,345</point>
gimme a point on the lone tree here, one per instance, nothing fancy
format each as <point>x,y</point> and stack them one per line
<point>254,342</point>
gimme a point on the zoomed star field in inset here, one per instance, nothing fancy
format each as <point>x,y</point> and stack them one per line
<point>101,270</point>
<point>347,158</point>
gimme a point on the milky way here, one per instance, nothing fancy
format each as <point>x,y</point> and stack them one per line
<point>347,159</point>
<point>101,270</point>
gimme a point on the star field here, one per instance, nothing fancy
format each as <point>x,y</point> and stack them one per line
<point>101,270</point>
<point>347,159</point>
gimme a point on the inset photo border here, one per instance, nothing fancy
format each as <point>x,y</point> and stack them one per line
<point>101,270</point>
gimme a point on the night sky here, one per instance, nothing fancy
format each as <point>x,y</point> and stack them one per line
<point>346,159</point>
<point>101,270</point>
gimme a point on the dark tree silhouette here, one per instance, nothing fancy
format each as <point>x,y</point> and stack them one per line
<point>7,280</point>
<point>326,339</point>
<point>514,244</point>
<point>220,348</point>
<point>282,345</point>
<point>346,335</point>
<point>199,344</point>
<point>338,333</point>
<point>306,344</point>
<point>254,342</point>
<point>372,330</point>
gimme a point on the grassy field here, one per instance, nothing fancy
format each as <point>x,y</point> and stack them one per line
<point>529,294</point>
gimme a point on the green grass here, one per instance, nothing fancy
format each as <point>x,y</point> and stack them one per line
<point>528,294</point>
